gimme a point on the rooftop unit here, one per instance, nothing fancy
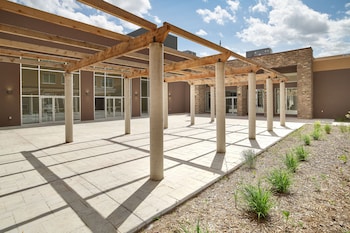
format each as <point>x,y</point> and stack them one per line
<point>258,52</point>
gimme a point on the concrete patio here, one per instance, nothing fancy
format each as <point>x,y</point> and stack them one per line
<point>100,182</point>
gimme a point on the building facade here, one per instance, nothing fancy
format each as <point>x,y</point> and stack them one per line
<point>316,88</point>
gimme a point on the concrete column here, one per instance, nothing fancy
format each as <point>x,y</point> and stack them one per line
<point>269,104</point>
<point>68,106</point>
<point>127,104</point>
<point>220,107</point>
<point>165,104</point>
<point>212,103</point>
<point>192,103</point>
<point>252,105</point>
<point>156,110</point>
<point>282,103</point>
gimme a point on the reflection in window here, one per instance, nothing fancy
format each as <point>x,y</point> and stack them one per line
<point>290,101</point>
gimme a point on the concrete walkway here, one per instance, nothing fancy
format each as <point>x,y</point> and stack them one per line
<point>99,183</point>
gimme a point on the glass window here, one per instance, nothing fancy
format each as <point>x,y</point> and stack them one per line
<point>99,87</point>
<point>290,101</point>
<point>51,83</point>
<point>30,85</point>
<point>144,88</point>
<point>30,110</point>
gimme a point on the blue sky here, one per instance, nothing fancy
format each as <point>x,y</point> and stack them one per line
<point>240,25</point>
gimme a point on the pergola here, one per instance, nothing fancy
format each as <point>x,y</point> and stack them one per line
<point>79,46</point>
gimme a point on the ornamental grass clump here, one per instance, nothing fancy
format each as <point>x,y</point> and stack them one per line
<point>280,180</point>
<point>307,140</point>
<point>301,153</point>
<point>258,200</point>
<point>316,134</point>
<point>327,128</point>
<point>249,158</point>
<point>291,162</point>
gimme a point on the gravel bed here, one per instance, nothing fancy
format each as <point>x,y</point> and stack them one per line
<point>318,199</point>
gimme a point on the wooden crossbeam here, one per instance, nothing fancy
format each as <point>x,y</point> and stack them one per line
<point>51,18</point>
<point>235,81</point>
<point>41,49</point>
<point>122,48</point>
<point>120,13</point>
<point>188,64</point>
<point>30,62</point>
<point>14,30</point>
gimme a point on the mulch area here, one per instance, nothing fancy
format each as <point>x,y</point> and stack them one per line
<point>318,199</point>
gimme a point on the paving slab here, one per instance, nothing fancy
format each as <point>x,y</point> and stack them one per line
<point>100,182</point>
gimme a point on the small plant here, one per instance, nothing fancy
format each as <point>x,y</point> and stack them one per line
<point>258,200</point>
<point>316,134</point>
<point>249,158</point>
<point>327,128</point>
<point>197,229</point>
<point>280,180</point>
<point>235,196</point>
<point>317,125</point>
<point>343,158</point>
<point>291,162</point>
<point>286,215</point>
<point>343,128</point>
<point>307,140</point>
<point>301,153</point>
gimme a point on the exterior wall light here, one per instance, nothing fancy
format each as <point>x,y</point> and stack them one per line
<point>9,91</point>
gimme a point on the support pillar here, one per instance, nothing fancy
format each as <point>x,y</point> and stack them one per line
<point>212,103</point>
<point>252,105</point>
<point>220,107</point>
<point>283,103</point>
<point>193,103</point>
<point>156,62</point>
<point>68,106</point>
<point>269,104</point>
<point>127,105</point>
<point>166,105</point>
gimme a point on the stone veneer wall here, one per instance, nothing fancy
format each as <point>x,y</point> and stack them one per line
<point>301,58</point>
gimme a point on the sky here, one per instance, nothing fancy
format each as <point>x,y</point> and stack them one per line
<point>239,25</point>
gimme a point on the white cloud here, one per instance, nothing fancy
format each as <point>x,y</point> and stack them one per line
<point>259,7</point>
<point>201,32</point>
<point>220,15</point>
<point>292,22</point>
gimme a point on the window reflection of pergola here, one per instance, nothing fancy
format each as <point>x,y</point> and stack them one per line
<point>131,57</point>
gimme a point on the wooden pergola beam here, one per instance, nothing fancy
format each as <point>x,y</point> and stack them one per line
<point>122,48</point>
<point>14,30</point>
<point>51,18</point>
<point>175,66</point>
<point>120,13</point>
<point>41,49</point>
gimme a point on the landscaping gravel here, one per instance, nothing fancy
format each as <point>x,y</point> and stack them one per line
<point>318,199</point>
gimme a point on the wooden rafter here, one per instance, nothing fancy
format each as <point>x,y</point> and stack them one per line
<point>44,16</point>
<point>14,30</point>
<point>120,13</point>
<point>122,48</point>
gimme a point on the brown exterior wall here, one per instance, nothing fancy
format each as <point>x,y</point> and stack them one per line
<point>87,95</point>
<point>331,93</point>
<point>136,108</point>
<point>178,97</point>
<point>10,102</point>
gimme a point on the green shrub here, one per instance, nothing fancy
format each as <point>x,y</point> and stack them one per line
<point>280,180</point>
<point>316,134</point>
<point>327,128</point>
<point>301,153</point>
<point>317,125</point>
<point>249,158</point>
<point>196,229</point>
<point>307,140</point>
<point>291,162</point>
<point>258,200</point>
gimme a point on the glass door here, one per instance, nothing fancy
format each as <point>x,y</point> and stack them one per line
<point>47,109</point>
<point>114,107</point>
<point>52,109</point>
<point>231,105</point>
